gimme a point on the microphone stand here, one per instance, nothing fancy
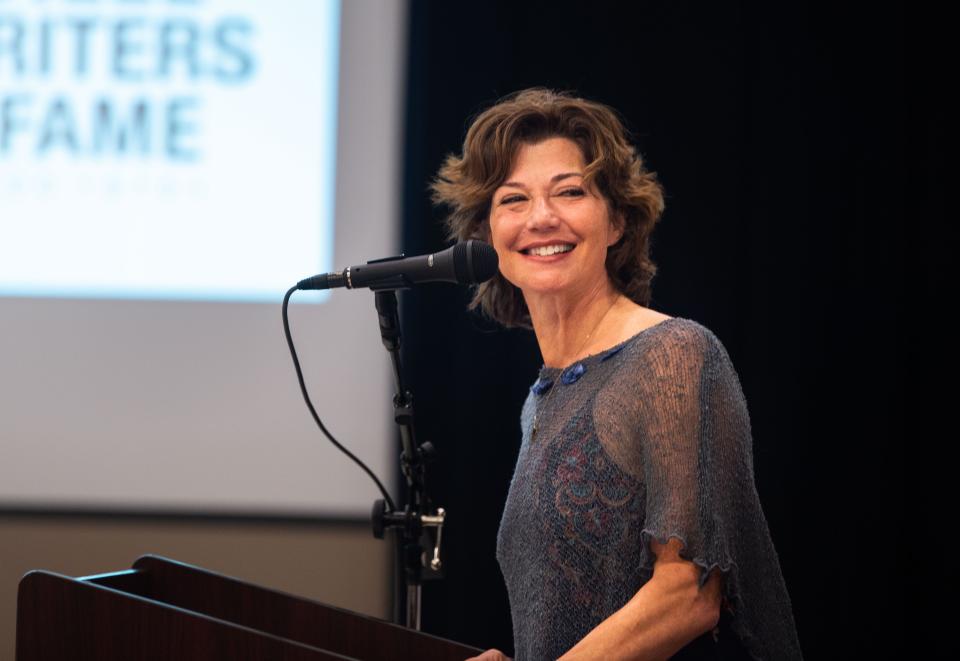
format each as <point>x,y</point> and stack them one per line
<point>413,564</point>
<point>466,262</point>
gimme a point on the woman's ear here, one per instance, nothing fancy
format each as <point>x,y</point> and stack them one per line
<point>619,224</point>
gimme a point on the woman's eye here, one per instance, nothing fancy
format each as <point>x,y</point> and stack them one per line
<point>509,199</point>
<point>572,192</point>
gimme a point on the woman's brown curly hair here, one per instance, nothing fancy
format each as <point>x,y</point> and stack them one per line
<point>466,185</point>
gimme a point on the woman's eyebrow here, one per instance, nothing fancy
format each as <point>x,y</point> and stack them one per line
<point>554,179</point>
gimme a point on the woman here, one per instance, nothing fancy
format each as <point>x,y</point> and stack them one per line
<point>632,528</point>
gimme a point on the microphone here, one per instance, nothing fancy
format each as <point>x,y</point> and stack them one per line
<point>467,263</point>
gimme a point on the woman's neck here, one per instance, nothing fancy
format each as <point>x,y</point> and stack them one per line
<point>568,327</point>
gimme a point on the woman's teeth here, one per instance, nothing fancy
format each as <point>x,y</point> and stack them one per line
<point>544,251</point>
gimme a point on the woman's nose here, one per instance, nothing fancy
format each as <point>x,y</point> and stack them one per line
<point>542,214</point>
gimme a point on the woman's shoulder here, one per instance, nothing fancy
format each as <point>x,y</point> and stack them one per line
<point>650,325</point>
<point>669,356</point>
<point>677,337</point>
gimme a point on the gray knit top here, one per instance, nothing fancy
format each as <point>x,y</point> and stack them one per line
<point>649,439</point>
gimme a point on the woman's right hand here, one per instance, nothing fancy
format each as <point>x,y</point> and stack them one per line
<point>490,655</point>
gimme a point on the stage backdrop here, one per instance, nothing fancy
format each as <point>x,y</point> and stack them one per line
<point>167,170</point>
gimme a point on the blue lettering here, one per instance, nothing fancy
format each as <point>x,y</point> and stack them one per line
<point>58,128</point>
<point>10,123</point>
<point>81,28</point>
<point>115,135</point>
<point>11,44</point>
<point>230,36</point>
<point>179,40</point>
<point>125,46</point>
<point>179,126</point>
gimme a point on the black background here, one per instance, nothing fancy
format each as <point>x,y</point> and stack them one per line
<point>801,146</point>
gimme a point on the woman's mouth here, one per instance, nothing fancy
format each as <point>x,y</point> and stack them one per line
<point>548,250</point>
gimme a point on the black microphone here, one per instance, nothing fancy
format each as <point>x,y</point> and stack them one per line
<point>466,263</point>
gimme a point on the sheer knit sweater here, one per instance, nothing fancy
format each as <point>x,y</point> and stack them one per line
<point>650,439</point>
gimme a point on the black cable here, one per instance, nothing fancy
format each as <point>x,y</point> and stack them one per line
<point>313,411</point>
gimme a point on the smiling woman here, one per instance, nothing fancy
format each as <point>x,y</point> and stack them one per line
<point>550,228</point>
<point>632,528</point>
<point>607,166</point>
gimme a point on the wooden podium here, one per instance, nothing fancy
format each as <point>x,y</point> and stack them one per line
<point>163,609</point>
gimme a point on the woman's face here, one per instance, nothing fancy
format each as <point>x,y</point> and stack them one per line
<point>551,232</point>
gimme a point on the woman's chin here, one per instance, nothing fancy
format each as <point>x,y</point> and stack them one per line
<point>546,288</point>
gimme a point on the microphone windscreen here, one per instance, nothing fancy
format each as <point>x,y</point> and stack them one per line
<point>474,261</point>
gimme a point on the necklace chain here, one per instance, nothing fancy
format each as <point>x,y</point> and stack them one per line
<point>542,405</point>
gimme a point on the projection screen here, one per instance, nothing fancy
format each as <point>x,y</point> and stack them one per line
<point>167,170</point>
